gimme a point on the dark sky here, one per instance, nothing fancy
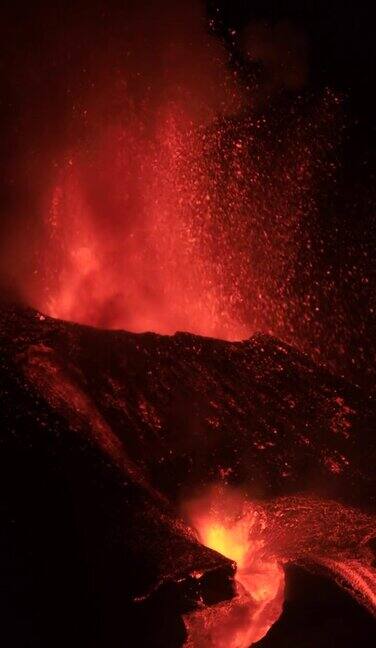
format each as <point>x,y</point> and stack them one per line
<point>43,44</point>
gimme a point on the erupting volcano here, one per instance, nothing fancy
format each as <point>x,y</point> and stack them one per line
<point>192,225</point>
<point>186,350</point>
<point>189,191</point>
<point>176,202</point>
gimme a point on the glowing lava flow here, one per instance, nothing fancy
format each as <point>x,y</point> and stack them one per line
<point>321,535</point>
<point>234,529</point>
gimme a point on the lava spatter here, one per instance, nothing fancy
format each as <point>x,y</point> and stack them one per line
<point>195,227</point>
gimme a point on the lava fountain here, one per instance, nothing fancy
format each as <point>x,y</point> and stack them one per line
<point>193,227</point>
<point>174,203</point>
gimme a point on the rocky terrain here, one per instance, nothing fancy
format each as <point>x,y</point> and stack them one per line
<point>105,433</point>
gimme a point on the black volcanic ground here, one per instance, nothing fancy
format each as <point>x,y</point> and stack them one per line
<point>105,432</point>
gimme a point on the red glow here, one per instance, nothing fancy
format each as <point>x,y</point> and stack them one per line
<point>261,537</point>
<point>175,205</point>
<point>228,524</point>
<point>190,228</point>
<point>159,186</point>
<point>126,244</point>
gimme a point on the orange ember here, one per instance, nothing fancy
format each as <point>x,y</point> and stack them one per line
<point>227,523</point>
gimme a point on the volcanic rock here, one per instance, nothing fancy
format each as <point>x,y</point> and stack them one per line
<point>104,433</point>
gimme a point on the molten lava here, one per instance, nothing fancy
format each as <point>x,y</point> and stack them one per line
<point>194,227</point>
<point>227,523</point>
<point>261,537</point>
<point>160,185</point>
<point>176,204</point>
